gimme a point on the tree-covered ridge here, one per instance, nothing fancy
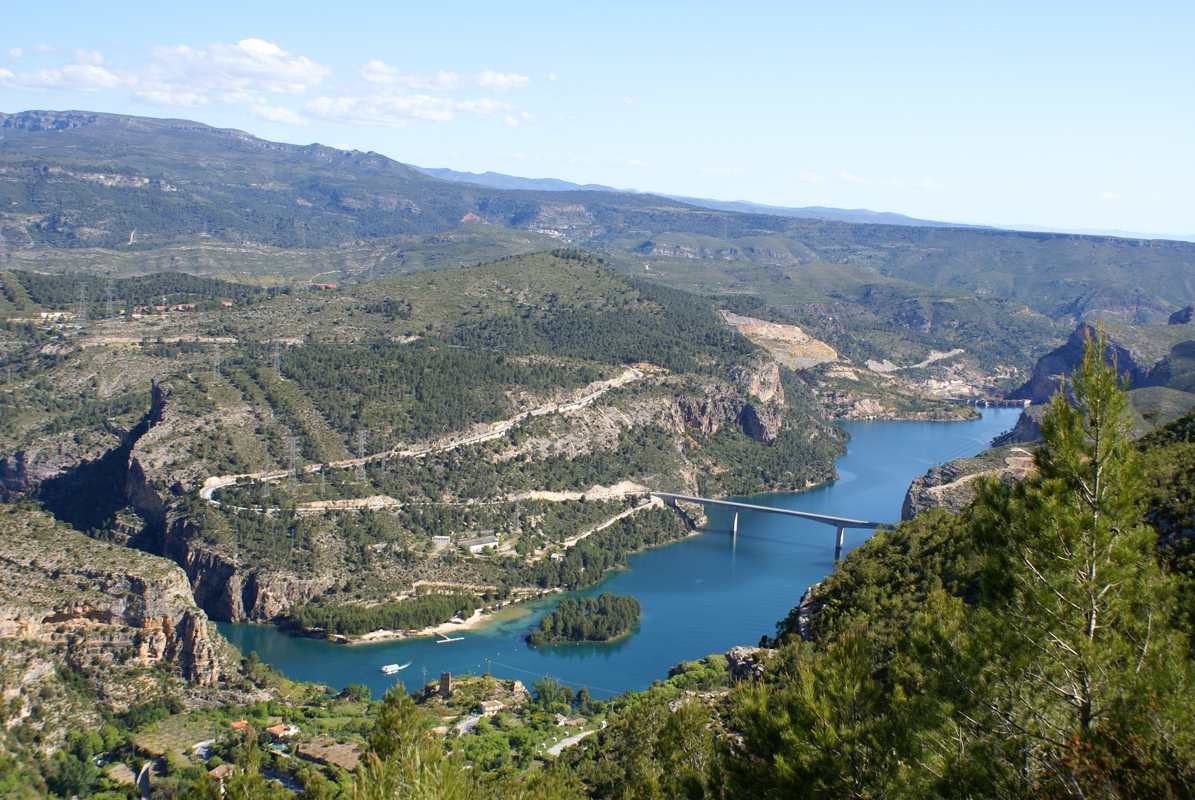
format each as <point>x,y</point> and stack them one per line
<point>421,389</point>
<point>411,615</point>
<point>1036,644</point>
<point>587,619</point>
<point>61,292</point>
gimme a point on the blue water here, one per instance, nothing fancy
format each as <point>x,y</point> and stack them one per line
<point>703,595</point>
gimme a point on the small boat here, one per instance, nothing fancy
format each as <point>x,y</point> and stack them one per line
<point>390,669</point>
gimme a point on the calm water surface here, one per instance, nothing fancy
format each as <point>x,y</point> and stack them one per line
<point>700,596</point>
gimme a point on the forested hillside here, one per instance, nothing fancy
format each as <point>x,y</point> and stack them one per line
<point>96,181</point>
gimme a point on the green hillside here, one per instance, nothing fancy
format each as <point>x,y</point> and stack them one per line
<point>110,184</point>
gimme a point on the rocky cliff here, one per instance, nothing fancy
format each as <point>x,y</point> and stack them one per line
<point>110,604</point>
<point>952,485</point>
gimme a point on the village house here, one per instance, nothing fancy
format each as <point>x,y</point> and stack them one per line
<point>491,707</point>
<point>279,732</point>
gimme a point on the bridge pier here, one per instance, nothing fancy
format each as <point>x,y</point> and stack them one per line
<point>838,543</point>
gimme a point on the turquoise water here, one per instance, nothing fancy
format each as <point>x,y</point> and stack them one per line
<point>700,596</point>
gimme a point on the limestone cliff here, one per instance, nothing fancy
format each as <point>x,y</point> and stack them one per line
<point>951,485</point>
<point>111,604</point>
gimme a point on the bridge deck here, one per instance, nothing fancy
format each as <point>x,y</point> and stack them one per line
<point>837,522</point>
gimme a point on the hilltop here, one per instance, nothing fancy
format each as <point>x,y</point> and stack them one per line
<point>110,184</point>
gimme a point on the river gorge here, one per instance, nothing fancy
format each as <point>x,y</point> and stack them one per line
<point>702,595</point>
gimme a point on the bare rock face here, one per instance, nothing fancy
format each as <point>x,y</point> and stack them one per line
<point>763,382</point>
<point>747,663</point>
<point>707,414</point>
<point>114,603</point>
<point>760,423</point>
<point>1051,368</point>
<point>952,485</point>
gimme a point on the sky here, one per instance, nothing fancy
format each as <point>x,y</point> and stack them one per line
<point>1062,115</point>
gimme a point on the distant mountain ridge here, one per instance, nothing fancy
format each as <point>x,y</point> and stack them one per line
<point>864,216</point>
<point>106,187</point>
<point>497,180</point>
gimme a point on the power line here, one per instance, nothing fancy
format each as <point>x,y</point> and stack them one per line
<point>362,438</point>
<point>293,442</point>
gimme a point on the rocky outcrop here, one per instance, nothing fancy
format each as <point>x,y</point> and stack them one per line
<point>707,414</point>
<point>1028,425</point>
<point>113,604</point>
<point>952,485</point>
<point>1051,368</point>
<point>226,591</point>
<point>747,663</point>
<point>762,382</point>
<point>805,613</point>
<point>762,423</point>
<point>22,470</point>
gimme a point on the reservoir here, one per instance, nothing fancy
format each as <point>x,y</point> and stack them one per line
<point>703,595</point>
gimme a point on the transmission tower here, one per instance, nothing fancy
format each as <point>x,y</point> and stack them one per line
<point>108,315</point>
<point>82,303</point>
<point>277,362</point>
<point>293,446</point>
<point>216,363</point>
<point>321,482</point>
<point>362,438</point>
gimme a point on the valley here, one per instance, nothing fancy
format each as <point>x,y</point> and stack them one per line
<point>259,401</point>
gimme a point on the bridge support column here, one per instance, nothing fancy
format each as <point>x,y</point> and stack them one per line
<point>734,527</point>
<point>670,501</point>
<point>838,544</point>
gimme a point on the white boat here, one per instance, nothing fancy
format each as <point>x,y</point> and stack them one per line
<point>390,669</point>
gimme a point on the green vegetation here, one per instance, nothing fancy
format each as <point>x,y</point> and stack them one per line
<point>587,620</point>
<point>412,615</point>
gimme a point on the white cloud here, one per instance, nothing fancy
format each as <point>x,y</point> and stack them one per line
<point>284,116</point>
<point>807,177</point>
<point>928,185</point>
<point>482,106</point>
<point>388,110</point>
<point>250,65</point>
<point>382,74</point>
<point>717,170</point>
<point>1107,196</point>
<point>630,101</point>
<point>168,99</point>
<point>13,54</point>
<point>500,82</point>
<point>83,57</point>
<point>552,76</point>
<point>43,48</point>
<point>72,77</point>
<point>512,121</point>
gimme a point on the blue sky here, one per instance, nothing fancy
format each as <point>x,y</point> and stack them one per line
<point>1067,115</point>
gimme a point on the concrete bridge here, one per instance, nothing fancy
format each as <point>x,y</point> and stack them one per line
<point>839,523</point>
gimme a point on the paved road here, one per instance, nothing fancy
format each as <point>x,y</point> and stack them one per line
<point>499,429</point>
<point>555,749</point>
